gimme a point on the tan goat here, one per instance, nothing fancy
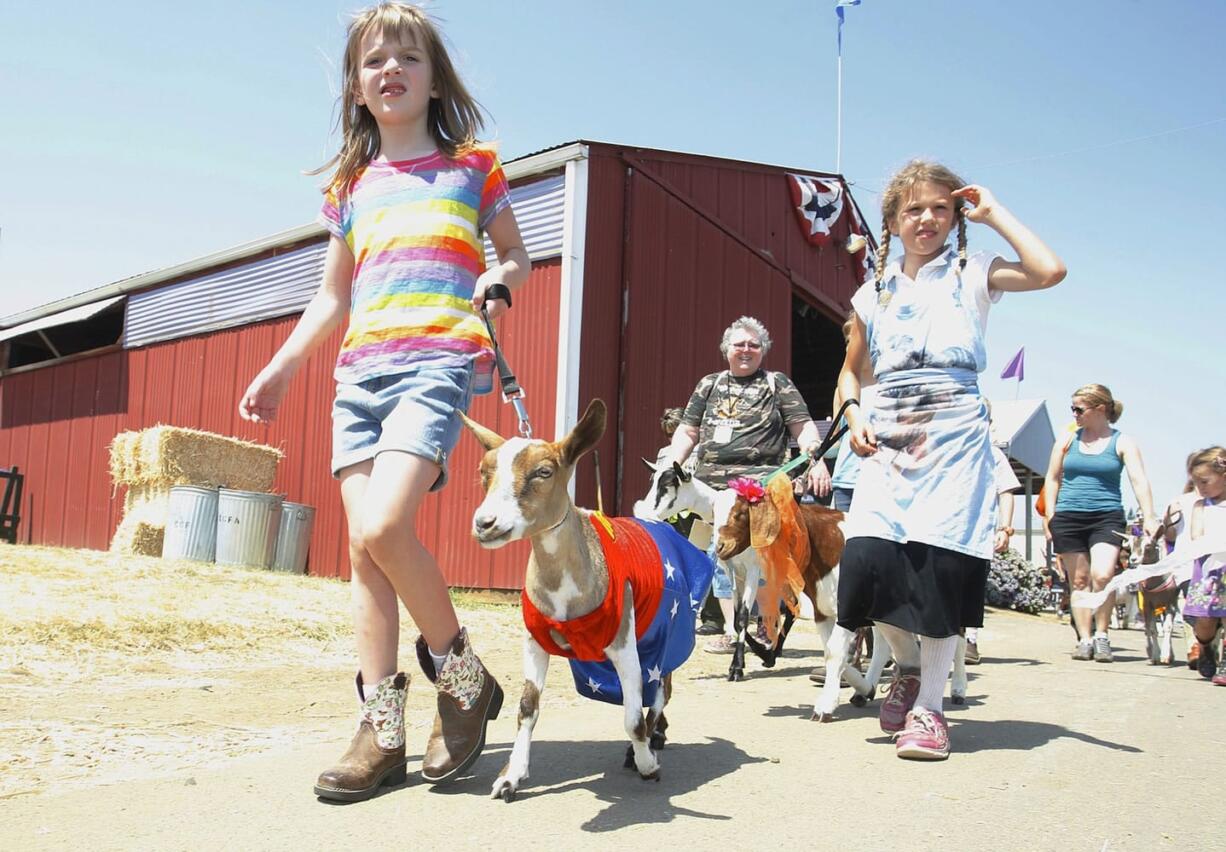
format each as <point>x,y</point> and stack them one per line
<point>617,596</point>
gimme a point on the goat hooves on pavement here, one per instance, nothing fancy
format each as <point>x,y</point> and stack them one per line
<point>657,741</point>
<point>507,794</point>
<point>821,717</point>
<point>651,776</point>
<point>736,675</point>
<point>958,699</point>
<point>858,700</point>
<point>629,762</point>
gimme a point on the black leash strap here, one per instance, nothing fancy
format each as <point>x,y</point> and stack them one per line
<point>511,390</point>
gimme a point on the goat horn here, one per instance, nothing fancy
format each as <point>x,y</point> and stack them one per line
<point>487,438</point>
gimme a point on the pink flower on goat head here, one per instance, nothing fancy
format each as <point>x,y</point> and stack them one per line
<point>750,489</point>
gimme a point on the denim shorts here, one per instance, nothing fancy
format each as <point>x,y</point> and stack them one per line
<point>412,412</point>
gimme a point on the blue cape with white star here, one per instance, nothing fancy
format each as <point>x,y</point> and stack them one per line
<point>669,639</point>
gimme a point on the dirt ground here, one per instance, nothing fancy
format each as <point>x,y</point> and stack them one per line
<point>205,746</point>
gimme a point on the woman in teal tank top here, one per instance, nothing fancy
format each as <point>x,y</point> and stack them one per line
<point>1085,522</point>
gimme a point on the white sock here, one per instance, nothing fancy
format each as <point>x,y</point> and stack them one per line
<point>437,659</point>
<point>903,644</point>
<point>936,662</point>
<point>1100,634</point>
<point>972,634</point>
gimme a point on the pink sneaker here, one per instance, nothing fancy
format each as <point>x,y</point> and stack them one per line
<point>898,702</point>
<point>925,737</point>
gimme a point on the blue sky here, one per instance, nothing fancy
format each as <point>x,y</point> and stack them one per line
<point>138,135</point>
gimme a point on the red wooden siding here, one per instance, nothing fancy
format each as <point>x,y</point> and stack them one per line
<point>56,424</point>
<point>691,244</point>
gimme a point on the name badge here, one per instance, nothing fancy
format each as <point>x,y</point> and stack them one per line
<point>722,434</point>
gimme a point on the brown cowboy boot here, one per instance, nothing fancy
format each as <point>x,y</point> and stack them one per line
<point>468,698</point>
<point>376,755</point>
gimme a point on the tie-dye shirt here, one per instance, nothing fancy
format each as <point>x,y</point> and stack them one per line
<point>415,229</point>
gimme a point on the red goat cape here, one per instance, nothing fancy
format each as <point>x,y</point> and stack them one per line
<point>631,557</point>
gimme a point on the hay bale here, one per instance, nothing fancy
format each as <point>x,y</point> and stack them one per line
<point>169,455</point>
<point>148,503</point>
<point>153,460</point>
<point>123,458</point>
<point>138,537</point>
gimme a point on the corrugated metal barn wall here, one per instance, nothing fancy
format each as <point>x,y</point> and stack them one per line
<point>702,242</point>
<point>56,424</point>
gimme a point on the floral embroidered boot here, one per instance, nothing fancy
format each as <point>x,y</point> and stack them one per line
<point>468,698</point>
<point>376,756</point>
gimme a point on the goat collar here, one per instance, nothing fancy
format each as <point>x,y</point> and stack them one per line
<point>749,489</point>
<point>559,523</point>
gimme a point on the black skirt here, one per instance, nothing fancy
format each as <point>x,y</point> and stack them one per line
<point>918,587</point>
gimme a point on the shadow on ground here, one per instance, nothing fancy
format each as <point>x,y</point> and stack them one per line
<point>559,767</point>
<point>970,735</point>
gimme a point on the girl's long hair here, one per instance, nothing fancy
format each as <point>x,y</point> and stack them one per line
<point>454,116</point>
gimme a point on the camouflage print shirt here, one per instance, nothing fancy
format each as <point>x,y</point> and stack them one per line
<point>742,424</point>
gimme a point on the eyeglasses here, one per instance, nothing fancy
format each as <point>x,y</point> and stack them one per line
<point>1077,409</point>
<point>745,344</point>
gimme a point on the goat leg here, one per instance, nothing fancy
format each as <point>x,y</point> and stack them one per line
<point>736,669</point>
<point>624,655</point>
<point>536,665</point>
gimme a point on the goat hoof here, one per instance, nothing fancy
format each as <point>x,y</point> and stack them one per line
<point>629,761</point>
<point>657,741</point>
<point>858,700</point>
<point>652,776</point>
<point>821,717</point>
<point>736,675</point>
<point>507,794</point>
<point>958,699</point>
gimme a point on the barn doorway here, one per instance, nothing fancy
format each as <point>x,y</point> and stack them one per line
<point>817,356</point>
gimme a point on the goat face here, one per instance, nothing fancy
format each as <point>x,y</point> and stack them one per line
<point>525,480</point>
<point>731,524</point>
<point>671,491</point>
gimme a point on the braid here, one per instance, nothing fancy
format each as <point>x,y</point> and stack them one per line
<point>961,238</point>
<point>883,251</point>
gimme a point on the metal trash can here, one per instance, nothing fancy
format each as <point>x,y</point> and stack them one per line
<point>247,523</point>
<point>294,537</point>
<point>191,524</point>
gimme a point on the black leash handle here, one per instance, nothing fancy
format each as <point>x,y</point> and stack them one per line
<point>511,390</point>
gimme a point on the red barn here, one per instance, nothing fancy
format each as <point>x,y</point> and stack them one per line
<point>640,259</point>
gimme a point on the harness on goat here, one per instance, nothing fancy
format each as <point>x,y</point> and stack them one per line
<point>512,392</point>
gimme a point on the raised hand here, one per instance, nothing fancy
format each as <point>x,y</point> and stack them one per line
<point>982,201</point>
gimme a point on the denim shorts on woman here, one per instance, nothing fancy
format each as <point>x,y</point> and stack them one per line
<point>414,412</point>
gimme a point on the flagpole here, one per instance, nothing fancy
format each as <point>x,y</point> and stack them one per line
<point>838,133</point>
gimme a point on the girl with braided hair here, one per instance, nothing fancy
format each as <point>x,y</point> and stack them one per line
<point>920,528</point>
<point>1195,514</point>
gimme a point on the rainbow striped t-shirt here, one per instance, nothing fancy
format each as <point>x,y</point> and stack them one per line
<point>414,227</point>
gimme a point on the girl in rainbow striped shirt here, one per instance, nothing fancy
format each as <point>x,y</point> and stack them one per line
<point>406,207</point>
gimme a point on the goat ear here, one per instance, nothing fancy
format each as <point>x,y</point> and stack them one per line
<point>487,438</point>
<point>680,471</point>
<point>652,466</point>
<point>764,523</point>
<point>586,433</point>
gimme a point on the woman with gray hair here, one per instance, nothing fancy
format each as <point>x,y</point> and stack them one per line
<point>738,421</point>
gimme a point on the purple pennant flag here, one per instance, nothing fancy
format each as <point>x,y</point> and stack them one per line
<point>1016,368</point>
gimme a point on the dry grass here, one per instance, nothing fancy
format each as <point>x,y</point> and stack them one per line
<point>113,666</point>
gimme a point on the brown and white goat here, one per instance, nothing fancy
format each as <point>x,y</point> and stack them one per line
<point>673,490</point>
<point>762,525</point>
<point>1158,597</point>
<point>567,578</point>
